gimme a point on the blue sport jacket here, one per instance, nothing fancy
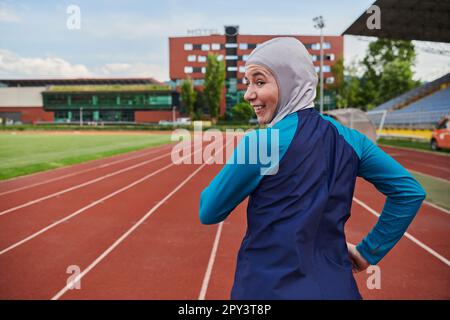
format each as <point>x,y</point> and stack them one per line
<point>295,246</point>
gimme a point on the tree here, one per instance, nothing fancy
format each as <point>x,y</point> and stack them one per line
<point>243,111</point>
<point>387,71</point>
<point>347,85</point>
<point>395,79</point>
<point>213,86</point>
<point>188,96</point>
<point>199,105</point>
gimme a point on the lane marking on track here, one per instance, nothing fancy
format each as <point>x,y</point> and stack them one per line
<point>427,165</point>
<point>6,181</point>
<point>419,151</point>
<point>427,175</point>
<point>407,235</point>
<point>436,207</point>
<point>80,172</point>
<point>126,234</point>
<point>92,204</point>
<point>212,258</point>
<point>27,204</point>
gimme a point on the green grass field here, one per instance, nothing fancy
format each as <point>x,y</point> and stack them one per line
<point>22,154</point>
<point>437,190</point>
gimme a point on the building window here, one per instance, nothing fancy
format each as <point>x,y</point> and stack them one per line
<point>231,45</point>
<point>205,47</point>
<point>188,70</point>
<point>188,46</point>
<point>197,70</point>
<point>242,69</point>
<point>329,57</point>
<point>314,57</point>
<point>243,46</point>
<point>245,57</point>
<point>203,69</point>
<point>252,45</point>
<point>316,46</point>
<point>215,46</point>
<point>330,80</point>
<point>325,69</point>
<point>191,58</point>
<point>198,82</point>
<point>231,57</point>
<point>232,69</point>
<point>220,57</point>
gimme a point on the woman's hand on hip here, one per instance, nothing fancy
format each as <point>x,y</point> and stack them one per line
<point>358,261</point>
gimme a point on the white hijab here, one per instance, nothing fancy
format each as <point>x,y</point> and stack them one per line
<point>293,69</point>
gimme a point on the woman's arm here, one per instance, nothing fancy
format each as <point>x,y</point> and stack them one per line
<point>237,179</point>
<point>404,198</point>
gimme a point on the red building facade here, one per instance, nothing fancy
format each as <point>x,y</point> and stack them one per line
<point>188,58</point>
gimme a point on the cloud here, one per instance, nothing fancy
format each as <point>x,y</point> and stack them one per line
<point>14,66</point>
<point>134,70</point>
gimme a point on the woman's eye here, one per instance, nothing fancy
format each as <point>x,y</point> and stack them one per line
<point>259,83</point>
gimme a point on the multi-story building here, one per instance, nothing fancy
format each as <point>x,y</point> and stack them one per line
<point>136,100</point>
<point>188,58</point>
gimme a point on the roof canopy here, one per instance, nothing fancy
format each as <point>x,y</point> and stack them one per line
<point>425,20</point>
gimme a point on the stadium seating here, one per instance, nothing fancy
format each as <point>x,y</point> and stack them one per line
<point>421,107</point>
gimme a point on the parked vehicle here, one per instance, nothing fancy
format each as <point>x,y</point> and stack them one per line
<point>440,138</point>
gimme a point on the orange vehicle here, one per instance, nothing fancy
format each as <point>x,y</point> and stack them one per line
<point>440,138</point>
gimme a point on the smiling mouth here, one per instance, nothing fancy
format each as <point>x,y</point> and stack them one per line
<point>258,108</point>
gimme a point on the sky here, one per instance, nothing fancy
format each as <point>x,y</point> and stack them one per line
<point>129,38</point>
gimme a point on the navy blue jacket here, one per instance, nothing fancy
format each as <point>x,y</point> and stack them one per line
<point>295,246</point>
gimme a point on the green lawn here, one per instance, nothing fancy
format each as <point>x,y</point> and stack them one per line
<point>437,190</point>
<point>22,154</point>
<point>410,144</point>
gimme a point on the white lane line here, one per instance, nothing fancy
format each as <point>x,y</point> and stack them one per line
<point>419,151</point>
<point>80,172</point>
<point>212,258</point>
<point>427,175</point>
<point>6,181</point>
<point>92,204</point>
<point>407,235</point>
<point>124,236</point>
<point>82,184</point>
<point>428,165</point>
<point>437,207</point>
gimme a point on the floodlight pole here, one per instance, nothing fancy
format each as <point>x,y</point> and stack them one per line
<point>321,70</point>
<point>81,116</point>
<point>320,24</point>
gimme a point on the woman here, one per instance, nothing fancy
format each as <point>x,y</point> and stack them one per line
<point>295,246</point>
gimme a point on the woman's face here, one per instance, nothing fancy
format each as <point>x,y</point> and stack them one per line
<point>262,92</point>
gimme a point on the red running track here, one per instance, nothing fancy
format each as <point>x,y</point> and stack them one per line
<point>130,223</point>
<point>433,164</point>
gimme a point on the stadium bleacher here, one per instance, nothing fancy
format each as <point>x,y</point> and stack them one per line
<point>421,107</point>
